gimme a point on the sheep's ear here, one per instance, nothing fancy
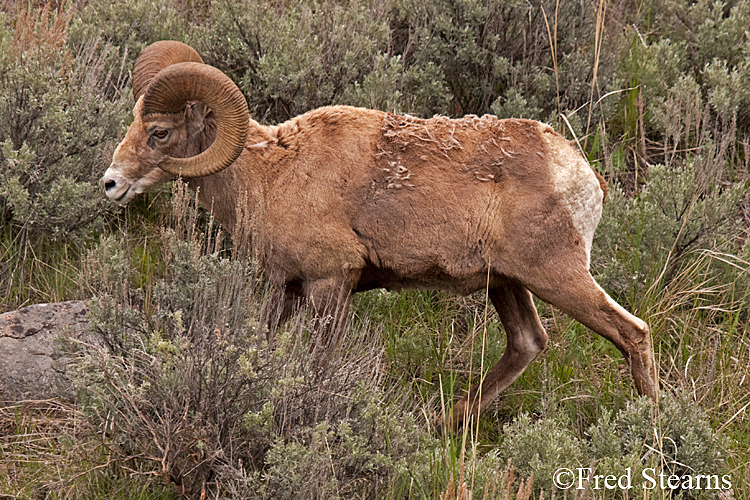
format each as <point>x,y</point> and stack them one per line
<point>195,114</point>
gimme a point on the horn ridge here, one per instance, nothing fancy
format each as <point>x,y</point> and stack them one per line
<point>155,58</point>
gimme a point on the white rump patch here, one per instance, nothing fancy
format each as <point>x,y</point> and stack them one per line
<point>576,186</point>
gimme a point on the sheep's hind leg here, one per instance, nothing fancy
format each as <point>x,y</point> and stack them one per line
<point>577,294</point>
<point>526,338</point>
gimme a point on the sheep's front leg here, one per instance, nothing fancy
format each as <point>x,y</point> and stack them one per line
<point>279,308</point>
<point>329,301</point>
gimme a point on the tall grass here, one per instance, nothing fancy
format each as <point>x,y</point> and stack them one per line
<point>35,272</point>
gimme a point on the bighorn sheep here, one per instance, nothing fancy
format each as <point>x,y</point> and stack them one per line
<point>352,199</point>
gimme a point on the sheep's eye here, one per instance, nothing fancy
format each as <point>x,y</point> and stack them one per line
<point>160,133</point>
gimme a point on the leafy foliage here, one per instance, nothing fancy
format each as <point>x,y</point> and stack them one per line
<point>200,400</point>
<point>673,439</point>
<point>648,237</point>
<point>56,139</point>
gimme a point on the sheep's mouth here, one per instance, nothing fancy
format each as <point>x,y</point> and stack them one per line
<point>119,200</point>
<point>125,197</point>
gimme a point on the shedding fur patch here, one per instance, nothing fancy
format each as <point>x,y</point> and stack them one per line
<point>478,149</point>
<point>444,135</point>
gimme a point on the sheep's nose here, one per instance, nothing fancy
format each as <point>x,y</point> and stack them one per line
<point>115,185</point>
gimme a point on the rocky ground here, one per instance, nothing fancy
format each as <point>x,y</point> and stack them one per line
<point>31,365</point>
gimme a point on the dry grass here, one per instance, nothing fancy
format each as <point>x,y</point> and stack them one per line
<point>39,452</point>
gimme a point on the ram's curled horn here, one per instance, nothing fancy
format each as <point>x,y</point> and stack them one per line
<point>179,83</point>
<point>155,58</point>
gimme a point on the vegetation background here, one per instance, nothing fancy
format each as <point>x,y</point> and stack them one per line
<point>178,395</point>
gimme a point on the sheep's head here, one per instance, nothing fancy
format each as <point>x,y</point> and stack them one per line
<point>190,120</point>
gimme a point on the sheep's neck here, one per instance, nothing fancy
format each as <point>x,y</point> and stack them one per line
<point>223,192</point>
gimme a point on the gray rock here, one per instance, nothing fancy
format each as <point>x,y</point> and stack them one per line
<point>29,358</point>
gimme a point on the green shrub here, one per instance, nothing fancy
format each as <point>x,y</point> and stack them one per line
<point>673,439</point>
<point>647,238</point>
<point>128,26</point>
<point>688,68</point>
<point>293,57</point>
<point>496,56</point>
<point>541,447</point>
<point>56,138</point>
<point>60,115</point>
<point>183,386</point>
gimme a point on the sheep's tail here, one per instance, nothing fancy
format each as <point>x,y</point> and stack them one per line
<point>602,184</point>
